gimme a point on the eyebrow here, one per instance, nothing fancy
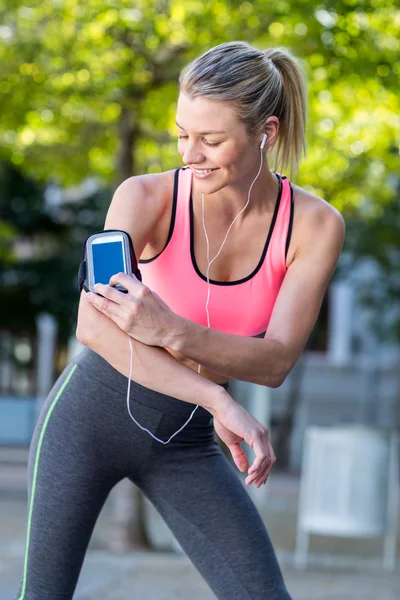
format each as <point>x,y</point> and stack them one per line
<point>202,132</point>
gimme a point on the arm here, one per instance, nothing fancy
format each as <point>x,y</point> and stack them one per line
<point>136,207</point>
<point>268,361</point>
<point>155,368</point>
<point>152,367</point>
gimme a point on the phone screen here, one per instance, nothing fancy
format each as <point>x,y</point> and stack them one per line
<point>107,261</point>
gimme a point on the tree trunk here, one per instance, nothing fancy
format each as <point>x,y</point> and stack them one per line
<point>128,130</point>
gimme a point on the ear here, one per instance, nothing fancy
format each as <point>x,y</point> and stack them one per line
<point>271,128</point>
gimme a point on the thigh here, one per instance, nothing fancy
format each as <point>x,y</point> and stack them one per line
<point>203,501</point>
<point>69,479</point>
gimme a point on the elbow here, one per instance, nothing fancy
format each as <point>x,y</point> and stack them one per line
<point>276,382</point>
<point>81,336</point>
<point>271,380</point>
<point>276,379</point>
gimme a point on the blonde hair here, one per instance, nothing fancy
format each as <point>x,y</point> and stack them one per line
<point>260,84</point>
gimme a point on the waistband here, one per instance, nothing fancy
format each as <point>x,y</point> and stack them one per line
<point>99,369</point>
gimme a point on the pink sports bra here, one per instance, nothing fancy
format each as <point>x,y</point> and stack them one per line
<point>242,307</point>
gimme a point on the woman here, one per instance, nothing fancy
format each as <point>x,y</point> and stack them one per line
<point>235,261</point>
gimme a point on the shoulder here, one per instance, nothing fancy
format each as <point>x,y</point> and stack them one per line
<point>315,221</point>
<point>150,193</point>
<point>140,207</point>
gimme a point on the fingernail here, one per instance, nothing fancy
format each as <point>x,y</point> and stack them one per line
<point>89,296</point>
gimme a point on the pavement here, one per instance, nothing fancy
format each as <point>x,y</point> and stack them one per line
<point>338,568</point>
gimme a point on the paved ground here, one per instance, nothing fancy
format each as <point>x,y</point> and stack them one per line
<point>339,569</point>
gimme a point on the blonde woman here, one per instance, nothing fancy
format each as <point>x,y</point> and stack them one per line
<point>235,259</point>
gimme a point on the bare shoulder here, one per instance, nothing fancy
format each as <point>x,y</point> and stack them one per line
<point>150,191</point>
<point>140,207</point>
<point>314,219</point>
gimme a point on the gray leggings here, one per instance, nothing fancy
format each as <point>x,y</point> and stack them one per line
<point>85,443</point>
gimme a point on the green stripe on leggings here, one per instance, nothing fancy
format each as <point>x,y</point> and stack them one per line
<point>64,385</point>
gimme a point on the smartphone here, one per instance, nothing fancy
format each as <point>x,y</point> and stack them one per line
<point>107,254</point>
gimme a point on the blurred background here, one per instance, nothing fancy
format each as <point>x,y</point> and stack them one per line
<point>87,98</point>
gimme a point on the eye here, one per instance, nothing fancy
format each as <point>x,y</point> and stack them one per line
<point>185,137</point>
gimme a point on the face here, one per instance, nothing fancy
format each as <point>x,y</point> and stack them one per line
<point>214,143</point>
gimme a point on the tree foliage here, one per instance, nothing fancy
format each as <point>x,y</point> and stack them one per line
<point>71,70</point>
<point>89,89</point>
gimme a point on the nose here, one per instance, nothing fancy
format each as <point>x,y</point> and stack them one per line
<point>191,154</point>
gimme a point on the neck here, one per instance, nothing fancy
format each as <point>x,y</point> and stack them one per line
<point>231,199</point>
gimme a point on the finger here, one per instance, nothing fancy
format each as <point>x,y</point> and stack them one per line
<point>104,305</point>
<point>263,462</point>
<point>255,474</point>
<point>263,450</point>
<point>256,464</point>
<point>259,478</point>
<point>262,479</point>
<point>260,482</point>
<point>252,478</point>
<point>239,457</point>
<point>111,293</point>
<point>129,282</point>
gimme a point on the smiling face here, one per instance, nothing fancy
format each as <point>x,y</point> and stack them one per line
<point>214,143</point>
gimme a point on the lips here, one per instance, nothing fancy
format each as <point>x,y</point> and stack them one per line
<point>203,174</point>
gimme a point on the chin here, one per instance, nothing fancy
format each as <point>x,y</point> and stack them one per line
<point>209,186</point>
<point>210,189</point>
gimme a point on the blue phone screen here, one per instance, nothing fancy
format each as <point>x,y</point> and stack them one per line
<point>107,261</point>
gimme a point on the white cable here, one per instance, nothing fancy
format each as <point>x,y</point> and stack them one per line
<point>208,300</point>
<point>133,418</point>
<point>226,236</point>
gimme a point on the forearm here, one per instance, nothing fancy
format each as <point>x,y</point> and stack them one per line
<point>260,361</point>
<point>152,367</point>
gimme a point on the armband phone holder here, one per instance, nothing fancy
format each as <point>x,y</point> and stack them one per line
<point>85,272</point>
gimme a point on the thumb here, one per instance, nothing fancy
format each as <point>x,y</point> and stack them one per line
<point>239,457</point>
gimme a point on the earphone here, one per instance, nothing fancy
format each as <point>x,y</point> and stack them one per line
<point>209,263</point>
<point>265,137</point>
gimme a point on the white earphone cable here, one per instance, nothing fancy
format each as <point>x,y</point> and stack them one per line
<point>133,418</point>
<point>209,263</point>
<point>226,235</point>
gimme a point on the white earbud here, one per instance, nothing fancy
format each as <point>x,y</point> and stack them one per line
<point>265,137</point>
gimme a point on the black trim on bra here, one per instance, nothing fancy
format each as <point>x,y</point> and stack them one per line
<point>172,224</point>
<point>258,267</point>
<point>289,234</point>
<point>259,335</point>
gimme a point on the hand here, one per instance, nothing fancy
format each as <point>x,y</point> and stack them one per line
<point>234,425</point>
<point>140,313</point>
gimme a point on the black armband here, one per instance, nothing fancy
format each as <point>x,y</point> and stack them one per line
<point>82,271</point>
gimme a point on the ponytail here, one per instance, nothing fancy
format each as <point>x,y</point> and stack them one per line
<point>291,143</point>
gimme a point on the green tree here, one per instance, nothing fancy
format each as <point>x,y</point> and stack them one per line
<point>100,98</point>
<point>43,276</point>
